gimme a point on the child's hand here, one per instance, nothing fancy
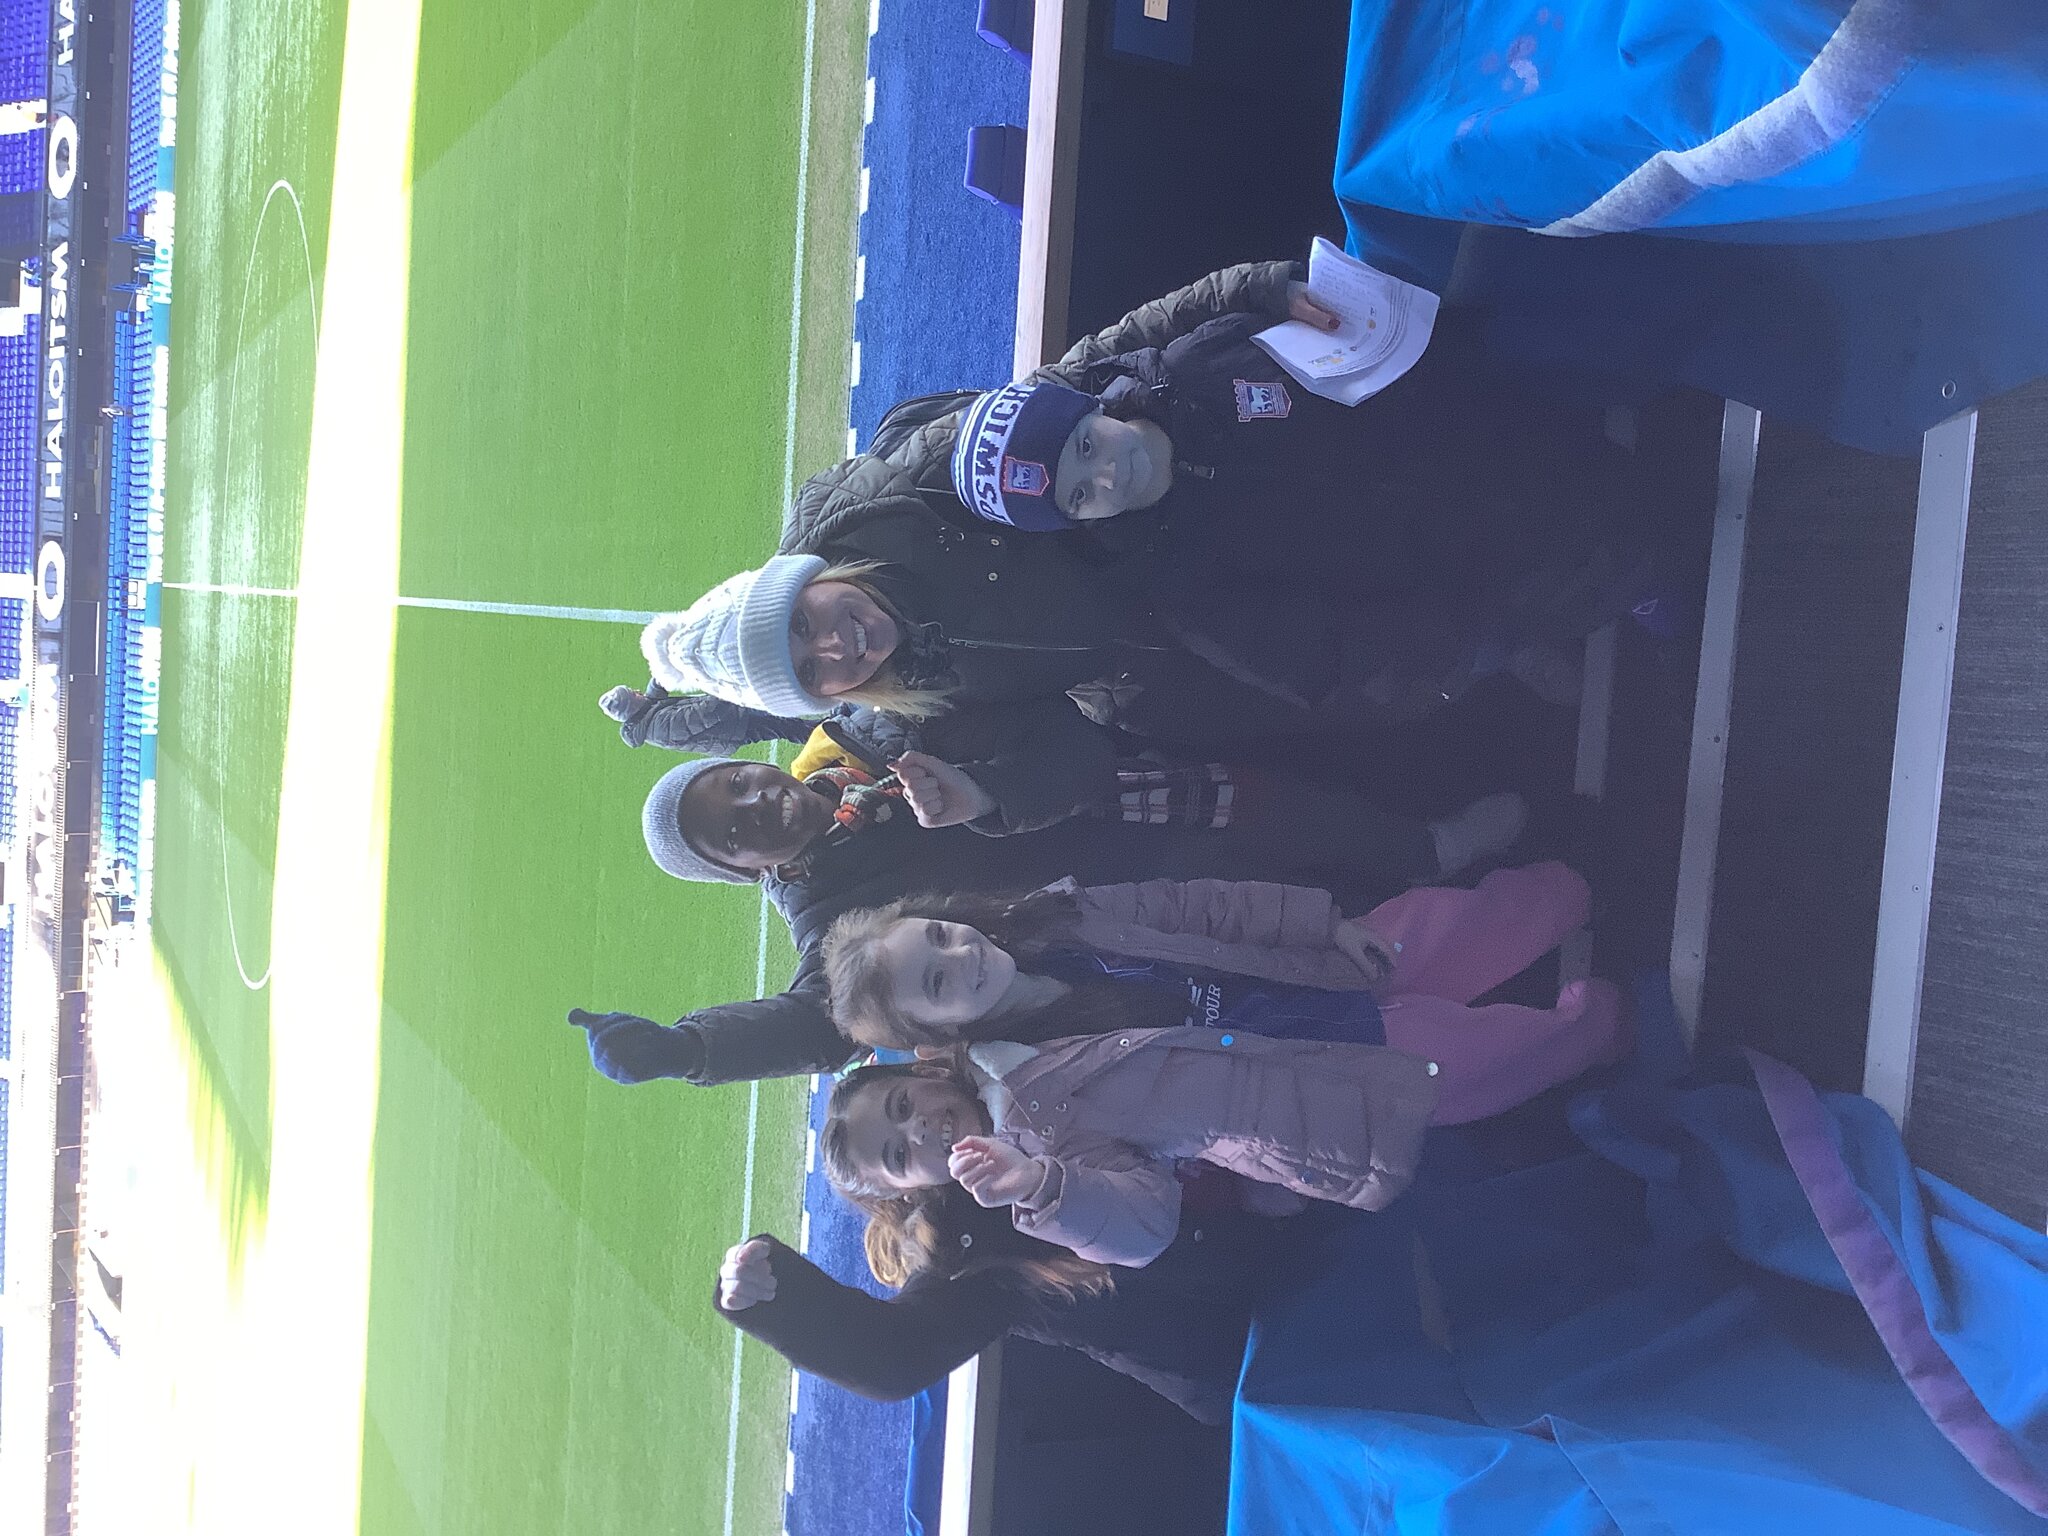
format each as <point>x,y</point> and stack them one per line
<point>745,1278</point>
<point>940,794</point>
<point>622,703</point>
<point>1305,309</point>
<point>1372,954</point>
<point>993,1171</point>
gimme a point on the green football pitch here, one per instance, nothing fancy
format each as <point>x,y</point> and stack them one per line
<point>495,323</point>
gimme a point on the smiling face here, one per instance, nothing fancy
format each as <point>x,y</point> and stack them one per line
<point>751,816</point>
<point>942,976</point>
<point>900,1130</point>
<point>839,637</point>
<point>1110,466</point>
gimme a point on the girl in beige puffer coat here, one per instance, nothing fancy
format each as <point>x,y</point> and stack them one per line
<point>1224,1022</point>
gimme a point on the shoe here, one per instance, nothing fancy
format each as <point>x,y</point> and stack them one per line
<point>1482,831</point>
<point>1555,673</point>
<point>1599,1005</point>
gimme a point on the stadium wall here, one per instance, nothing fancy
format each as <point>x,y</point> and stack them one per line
<point>51,707</point>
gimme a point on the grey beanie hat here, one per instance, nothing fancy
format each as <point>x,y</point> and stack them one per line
<point>661,826</point>
<point>733,642</point>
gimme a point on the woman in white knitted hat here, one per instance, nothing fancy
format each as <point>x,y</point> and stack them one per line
<point>797,636</point>
<point>890,603</point>
<point>887,590</point>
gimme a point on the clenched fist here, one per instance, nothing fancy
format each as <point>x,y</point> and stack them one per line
<point>993,1171</point>
<point>940,794</point>
<point>745,1277</point>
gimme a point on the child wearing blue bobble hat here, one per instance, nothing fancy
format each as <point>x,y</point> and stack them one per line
<point>1016,441</point>
<point>1451,526</point>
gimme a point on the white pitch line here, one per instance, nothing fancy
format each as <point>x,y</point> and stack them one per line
<point>732,1422</point>
<point>796,276</point>
<point>230,589</point>
<point>530,610</point>
<point>447,604</point>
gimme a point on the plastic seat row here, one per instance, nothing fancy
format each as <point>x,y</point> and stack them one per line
<point>995,152</point>
<point>145,100</point>
<point>127,558</point>
<point>20,403</point>
<point>6,1044</point>
<point>21,161</point>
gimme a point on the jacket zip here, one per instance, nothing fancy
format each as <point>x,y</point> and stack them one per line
<point>1059,650</point>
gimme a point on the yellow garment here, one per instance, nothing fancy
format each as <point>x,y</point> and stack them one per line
<point>820,751</point>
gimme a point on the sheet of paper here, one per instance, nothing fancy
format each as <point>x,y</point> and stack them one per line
<point>1384,328</point>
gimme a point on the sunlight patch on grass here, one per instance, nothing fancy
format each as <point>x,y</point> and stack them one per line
<point>262,1429</point>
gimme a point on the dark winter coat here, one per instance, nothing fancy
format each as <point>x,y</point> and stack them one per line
<point>1021,617</point>
<point>1040,761</point>
<point>703,723</point>
<point>1309,835</point>
<point>918,465</point>
<point>1049,620</point>
<point>1179,1325</point>
<point>1376,547</point>
<point>1005,641</point>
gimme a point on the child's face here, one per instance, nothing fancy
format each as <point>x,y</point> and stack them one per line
<point>900,1130</point>
<point>942,975</point>
<point>751,815</point>
<point>1110,466</point>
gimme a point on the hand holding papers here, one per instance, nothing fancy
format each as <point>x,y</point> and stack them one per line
<point>1384,325</point>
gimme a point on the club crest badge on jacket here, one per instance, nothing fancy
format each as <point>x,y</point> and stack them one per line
<point>1256,399</point>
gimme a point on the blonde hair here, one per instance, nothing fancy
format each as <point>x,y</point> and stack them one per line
<point>916,1232</point>
<point>882,691</point>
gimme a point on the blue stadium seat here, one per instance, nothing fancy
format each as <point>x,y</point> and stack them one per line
<point>1006,24</point>
<point>19,403</point>
<point>24,60</point>
<point>995,165</point>
<point>145,101</point>
<point>4,1086</point>
<point>6,1035</point>
<point>125,700</point>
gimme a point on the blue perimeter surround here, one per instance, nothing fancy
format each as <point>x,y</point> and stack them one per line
<point>939,304</point>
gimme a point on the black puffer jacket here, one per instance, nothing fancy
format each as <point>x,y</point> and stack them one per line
<point>1040,761</point>
<point>1018,617</point>
<point>1178,1325</point>
<point>696,722</point>
<point>1024,616</point>
<point>918,465</point>
<point>1308,835</point>
<point>1453,510</point>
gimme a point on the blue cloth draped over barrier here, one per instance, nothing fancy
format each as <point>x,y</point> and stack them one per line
<point>1660,1335</point>
<point>1833,211</point>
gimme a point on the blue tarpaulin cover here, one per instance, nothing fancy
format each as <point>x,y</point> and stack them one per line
<point>1834,211</point>
<point>1740,1310</point>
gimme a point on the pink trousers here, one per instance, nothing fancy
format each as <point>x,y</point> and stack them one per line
<point>1459,944</point>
